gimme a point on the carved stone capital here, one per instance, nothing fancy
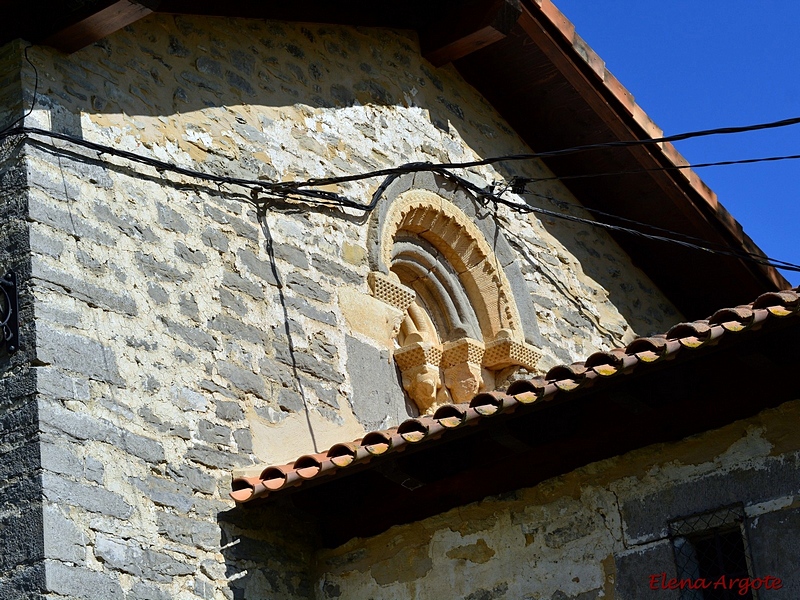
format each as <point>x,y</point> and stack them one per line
<point>505,352</point>
<point>391,292</point>
<point>463,350</point>
<point>461,362</point>
<point>419,366</point>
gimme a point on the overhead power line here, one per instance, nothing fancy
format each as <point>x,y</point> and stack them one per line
<point>299,190</point>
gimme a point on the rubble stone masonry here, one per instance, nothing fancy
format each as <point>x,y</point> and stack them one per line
<point>155,356</point>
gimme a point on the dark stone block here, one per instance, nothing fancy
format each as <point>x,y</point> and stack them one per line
<point>376,390</point>
<point>635,567</point>
<point>775,551</point>
<point>647,517</point>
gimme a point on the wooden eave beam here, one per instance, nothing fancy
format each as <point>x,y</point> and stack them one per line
<point>473,28</point>
<point>97,25</point>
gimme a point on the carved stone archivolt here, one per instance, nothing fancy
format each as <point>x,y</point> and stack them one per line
<point>461,331</point>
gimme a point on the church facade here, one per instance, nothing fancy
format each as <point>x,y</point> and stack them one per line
<point>181,315</point>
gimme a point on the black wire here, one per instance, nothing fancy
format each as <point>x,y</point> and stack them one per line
<point>525,208</point>
<point>685,236</point>
<point>722,163</point>
<point>292,190</point>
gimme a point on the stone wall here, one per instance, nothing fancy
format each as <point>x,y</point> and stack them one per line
<point>598,532</point>
<point>21,540</point>
<point>171,347</point>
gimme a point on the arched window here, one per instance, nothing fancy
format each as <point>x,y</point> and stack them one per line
<point>461,328</point>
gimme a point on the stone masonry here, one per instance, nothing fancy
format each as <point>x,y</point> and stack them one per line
<point>165,348</point>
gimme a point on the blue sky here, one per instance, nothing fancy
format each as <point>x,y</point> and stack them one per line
<point>715,63</point>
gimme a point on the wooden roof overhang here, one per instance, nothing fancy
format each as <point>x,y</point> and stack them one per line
<point>526,59</point>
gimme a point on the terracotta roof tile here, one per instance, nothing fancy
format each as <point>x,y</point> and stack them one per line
<point>561,381</point>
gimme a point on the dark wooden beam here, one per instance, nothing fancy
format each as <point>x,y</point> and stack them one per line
<point>97,25</point>
<point>472,29</point>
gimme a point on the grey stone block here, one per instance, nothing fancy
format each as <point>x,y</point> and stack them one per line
<point>129,557</point>
<point>150,450</point>
<point>214,238</point>
<point>44,244</point>
<point>338,272</point>
<point>244,440</point>
<point>195,478</point>
<point>291,255</point>
<point>192,532</point>
<point>308,363</point>
<point>94,470</point>
<point>243,380</point>
<point>53,314</point>
<point>125,223</point>
<point>92,498</point>
<point>153,267</point>
<point>290,401</point>
<point>304,287</point>
<point>193,257</point>
<point>634,568</point>
<point>62,539</point>
<point>157,293</point>
<point>59,386</point>
<point>165,492</point>
<point>171,219</point>
<point>232,301</point>
<point>91,294</point>
<point>194,336</point>
<point>85,427</point>
<point>305,309</point>
<point>215,459</point>
<point>648,516</point>
<point>229,411</point>
<point>57,458</point>
<point>144,591</point>
<point>238,330</point>
<point>77,582</point>
<point>76,353</point>
<point>377,395</point>
<point>213,434</point>
<point>241,228</point>
<point>239,284</point>
<point>210,386</point>
<point>259,268</point>
<point>57,188</point>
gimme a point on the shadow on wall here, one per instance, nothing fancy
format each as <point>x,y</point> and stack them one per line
<point>298,101</point>
<point>268,553</point>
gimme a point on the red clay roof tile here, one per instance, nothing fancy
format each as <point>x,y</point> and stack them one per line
<point>724,325</point>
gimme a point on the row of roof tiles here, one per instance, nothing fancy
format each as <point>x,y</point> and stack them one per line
<point>560,380</point>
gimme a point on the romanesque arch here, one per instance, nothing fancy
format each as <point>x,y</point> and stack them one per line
<point>461,327</point>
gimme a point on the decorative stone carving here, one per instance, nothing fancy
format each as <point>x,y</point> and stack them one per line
<point>461,363</point>
<point>462,327</point>
<point>419,365</point>
<point>390,290</point>
<point>505,352</point>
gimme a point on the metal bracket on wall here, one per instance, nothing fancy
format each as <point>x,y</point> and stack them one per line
<point>9,313</point>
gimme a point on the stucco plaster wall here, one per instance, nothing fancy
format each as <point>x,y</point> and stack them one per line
<point>597,532</point>
<point>161,345</point>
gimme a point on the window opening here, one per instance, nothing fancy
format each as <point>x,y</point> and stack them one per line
<point>711,546</point>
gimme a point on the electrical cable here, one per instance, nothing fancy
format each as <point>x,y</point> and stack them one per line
<point>722,163</point>
<point>297,191</point>
<point>288,191</point>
